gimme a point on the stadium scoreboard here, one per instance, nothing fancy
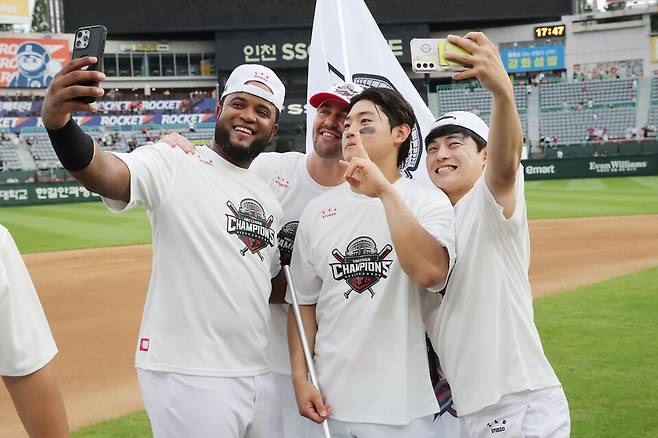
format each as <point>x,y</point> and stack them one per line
<point>550,31</point>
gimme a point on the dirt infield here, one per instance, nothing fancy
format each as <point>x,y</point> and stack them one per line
<point>94,299</point>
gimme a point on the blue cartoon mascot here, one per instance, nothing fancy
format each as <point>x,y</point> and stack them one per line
<point>32,60</point>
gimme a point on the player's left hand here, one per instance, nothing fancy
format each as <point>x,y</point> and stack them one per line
<point>360,172</point>
<point>175,140</point>
<point>484,61</point>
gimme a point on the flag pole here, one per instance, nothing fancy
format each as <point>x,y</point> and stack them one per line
<point>304,340</point>
<point>343,42</point>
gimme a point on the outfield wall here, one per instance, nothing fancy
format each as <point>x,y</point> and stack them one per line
<point>627,165</point>
<point>594,167</point>
<point>44,193</point>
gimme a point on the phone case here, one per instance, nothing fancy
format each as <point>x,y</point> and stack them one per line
<point>446,46</point>
<point>424,55</point>
<point>90,41</point>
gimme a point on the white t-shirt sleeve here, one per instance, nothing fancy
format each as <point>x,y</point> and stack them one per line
<point>437,216</point>
<point>152,173</point>
<point>26,343</point>
<point>263,166</point>
<point>303,270</point>
<point>493,212</point>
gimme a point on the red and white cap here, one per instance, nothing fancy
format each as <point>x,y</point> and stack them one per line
<point>238,82</point>
<point>341,92</point>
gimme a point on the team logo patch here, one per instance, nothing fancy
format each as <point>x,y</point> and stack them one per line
<point>250,225</point>
<point>497,426</point>
<point>285,239</point>
<point>362,266</point>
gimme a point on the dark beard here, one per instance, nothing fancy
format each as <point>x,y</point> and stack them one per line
<point>237,154</point>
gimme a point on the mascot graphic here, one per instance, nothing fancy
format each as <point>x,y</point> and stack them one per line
<point>35,68</point>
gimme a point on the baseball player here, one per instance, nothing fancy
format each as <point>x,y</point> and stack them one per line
<point>296,179</point>
<point>484,331</point>
<point>201,359</point>
<point>27,348</point>
<point>364,254</point>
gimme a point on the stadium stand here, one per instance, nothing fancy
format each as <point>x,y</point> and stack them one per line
<point>569,113</point>
<point>36,142</point>
<point>598,110</point>
<point>472,97</point>
<point>579,94</point>
<point>587,125</point>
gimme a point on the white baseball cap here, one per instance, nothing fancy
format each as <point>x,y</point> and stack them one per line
<point>237,82</point>
<point>464,119</point>
<point>341,92</point>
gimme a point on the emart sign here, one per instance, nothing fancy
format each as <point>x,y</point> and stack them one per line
<point>635,165</point>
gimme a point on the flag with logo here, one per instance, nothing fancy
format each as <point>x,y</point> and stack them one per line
<point>348,46</point>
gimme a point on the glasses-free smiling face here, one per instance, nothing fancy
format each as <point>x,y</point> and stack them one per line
<point>245,124</point>
<point>454,163</point>
<point>374,129</point>
<point>328,129</point>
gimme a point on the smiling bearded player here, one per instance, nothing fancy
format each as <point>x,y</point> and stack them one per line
<point>296,179</point>
<point>201,359</point>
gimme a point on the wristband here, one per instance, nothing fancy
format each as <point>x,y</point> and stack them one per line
<point>73,147</point>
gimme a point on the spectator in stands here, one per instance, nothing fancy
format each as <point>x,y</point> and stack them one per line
<point>559,154</point>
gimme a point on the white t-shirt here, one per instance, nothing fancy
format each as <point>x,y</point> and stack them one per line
<point>214,253</point>
<point>26,343</point>
<point>484,330</point>
<point>370,349</point>
<point>286,174</point>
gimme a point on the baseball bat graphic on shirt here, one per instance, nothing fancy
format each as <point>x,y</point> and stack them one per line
<point>385,252</point>
<point>233,209</point>
<point>302,338</point>
<point>236,213</point>
<point>244,250</point>
<point>338,255</point>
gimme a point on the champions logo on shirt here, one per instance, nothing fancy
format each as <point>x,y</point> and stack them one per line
<point>286,238</point>
<point>249,224</point>
<point>362,266</point>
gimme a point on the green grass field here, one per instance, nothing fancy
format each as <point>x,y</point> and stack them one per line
<point>90,225</point>
<point>68,226</point>
<point>602,341</point>
<point>592,197</point>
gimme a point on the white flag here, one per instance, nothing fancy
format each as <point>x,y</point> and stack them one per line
<point>347,46</point>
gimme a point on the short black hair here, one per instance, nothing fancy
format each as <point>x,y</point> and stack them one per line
<point>443,131</point>
<point>396,108</point>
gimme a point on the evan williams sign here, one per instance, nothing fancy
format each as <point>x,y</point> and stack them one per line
<point>31,62</point>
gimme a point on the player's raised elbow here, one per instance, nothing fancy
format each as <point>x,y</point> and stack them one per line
<point>429,276</point>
